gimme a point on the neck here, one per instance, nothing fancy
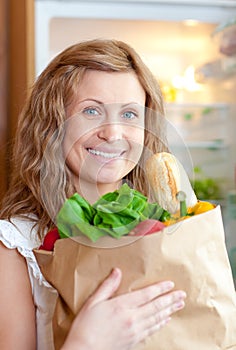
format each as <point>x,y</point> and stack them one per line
<point>91,192</point>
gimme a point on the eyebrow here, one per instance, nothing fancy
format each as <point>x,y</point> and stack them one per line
<point>90,99</point>
<point>102,103</point>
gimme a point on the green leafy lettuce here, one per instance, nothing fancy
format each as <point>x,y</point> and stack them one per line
<point>115,214</point>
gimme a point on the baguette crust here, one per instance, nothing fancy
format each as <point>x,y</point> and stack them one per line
<point>167,177</point>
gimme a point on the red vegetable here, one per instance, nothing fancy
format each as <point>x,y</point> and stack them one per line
<point>147,227</point>
<point>50,239</point>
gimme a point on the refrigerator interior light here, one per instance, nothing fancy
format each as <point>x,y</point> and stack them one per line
<point>187,80</point>
<point>191,22</point>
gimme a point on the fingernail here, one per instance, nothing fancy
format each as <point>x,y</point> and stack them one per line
<point>116,272</point>
<point>168,285</point>
<point>180,304</point>
<point>165,321</point>
<point>182,294</point>
<point>168,320</point>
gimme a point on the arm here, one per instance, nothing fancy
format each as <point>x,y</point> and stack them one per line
<point>17,311</point>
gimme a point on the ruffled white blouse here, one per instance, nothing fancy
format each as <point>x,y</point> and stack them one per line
<point>20,234</point>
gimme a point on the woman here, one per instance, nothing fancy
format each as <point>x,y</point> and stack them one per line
<point>87,126</point>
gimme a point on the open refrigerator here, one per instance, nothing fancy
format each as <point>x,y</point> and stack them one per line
<point>206,130</point>
<point>179,41</point>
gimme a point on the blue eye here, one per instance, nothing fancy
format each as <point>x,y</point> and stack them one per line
<point>129,115</point>
<point>90,111</point>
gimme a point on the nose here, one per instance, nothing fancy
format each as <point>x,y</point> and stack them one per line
<point>111,132</point>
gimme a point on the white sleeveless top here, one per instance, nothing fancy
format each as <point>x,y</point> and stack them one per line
<point>21,236</point>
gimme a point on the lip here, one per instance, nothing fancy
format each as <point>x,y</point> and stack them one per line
<point>104,154</point>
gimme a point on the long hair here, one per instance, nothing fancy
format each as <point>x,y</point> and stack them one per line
<point>40,179</point>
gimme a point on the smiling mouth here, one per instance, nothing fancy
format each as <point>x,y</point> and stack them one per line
<point>107,155</point>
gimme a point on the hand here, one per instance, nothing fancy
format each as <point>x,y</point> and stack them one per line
<point>118,323</point>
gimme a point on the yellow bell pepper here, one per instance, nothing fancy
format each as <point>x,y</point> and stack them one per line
<point>199,208</point>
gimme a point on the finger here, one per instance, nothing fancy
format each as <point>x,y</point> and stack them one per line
<point>155,322</point>
<point>159,310</point>
<point>165,302</point>
<point>160,316</point>
<point>107,288</point>
<point>149,331</point>
<point>145,295</point>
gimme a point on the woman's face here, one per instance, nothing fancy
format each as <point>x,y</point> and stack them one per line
<point>104,130</point>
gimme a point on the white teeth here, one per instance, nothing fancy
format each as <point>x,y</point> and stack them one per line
<point>103,154</point>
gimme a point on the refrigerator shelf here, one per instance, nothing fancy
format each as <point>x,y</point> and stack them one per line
<point>209,145</point>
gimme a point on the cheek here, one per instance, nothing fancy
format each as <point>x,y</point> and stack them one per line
<point>74,154</point>
<point>71,140</point>
<point>136,137</point>
<point>76,134</point>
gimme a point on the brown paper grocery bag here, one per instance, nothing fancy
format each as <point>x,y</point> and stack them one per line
<point>192,253</point>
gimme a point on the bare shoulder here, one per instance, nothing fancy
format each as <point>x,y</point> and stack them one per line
<point>17,311</point>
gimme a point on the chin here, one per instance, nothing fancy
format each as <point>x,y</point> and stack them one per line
<point>109,179</point>
<point>107,175</point>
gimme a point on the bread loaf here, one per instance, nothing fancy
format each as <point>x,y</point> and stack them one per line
<point>167,177</point>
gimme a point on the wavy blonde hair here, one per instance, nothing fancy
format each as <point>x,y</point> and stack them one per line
<point>40,179</point>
